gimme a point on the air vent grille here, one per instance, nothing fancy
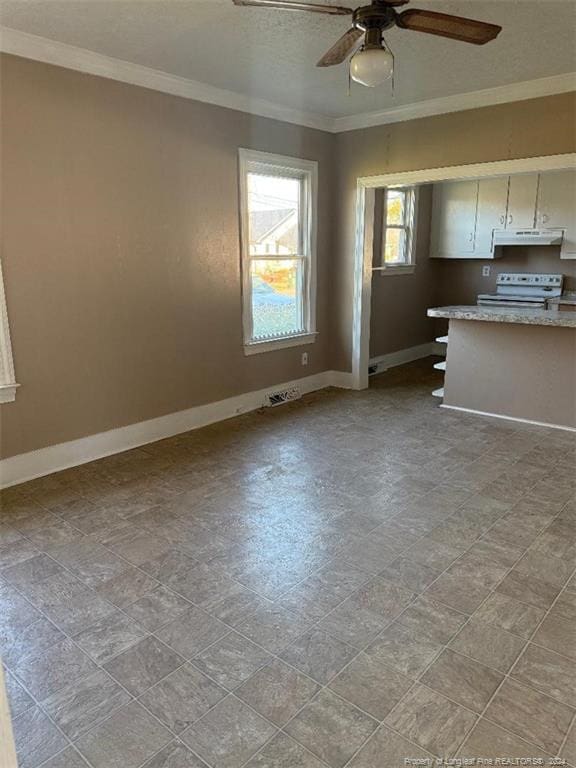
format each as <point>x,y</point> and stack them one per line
<point>283,396</point>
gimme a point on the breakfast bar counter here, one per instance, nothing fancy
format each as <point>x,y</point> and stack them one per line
<point>518,315</point>
<point>511,362</point>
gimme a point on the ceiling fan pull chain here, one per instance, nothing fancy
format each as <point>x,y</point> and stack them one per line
<point>373,64</point>
<point>391,52</point>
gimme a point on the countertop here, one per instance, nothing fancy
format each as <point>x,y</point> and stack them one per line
<point>566,298</point>
<point>523,316</point>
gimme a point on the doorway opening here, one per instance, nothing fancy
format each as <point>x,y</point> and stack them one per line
<point>368,253</point>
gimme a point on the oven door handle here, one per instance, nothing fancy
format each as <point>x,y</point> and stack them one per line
<point>521,304</point>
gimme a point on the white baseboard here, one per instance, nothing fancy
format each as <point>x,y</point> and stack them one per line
<point>54,458</point>
<point>402,356</point>
<point>508,418</point>
<point>341,379</point>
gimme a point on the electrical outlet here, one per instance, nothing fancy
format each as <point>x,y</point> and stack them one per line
<point>486,270</point>
<point>304,358</point>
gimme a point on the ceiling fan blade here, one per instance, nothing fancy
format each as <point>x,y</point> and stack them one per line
<point>294,5</point>
<point>341,48</point>
<point>456,27</point>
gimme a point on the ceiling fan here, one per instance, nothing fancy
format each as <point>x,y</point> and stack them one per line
<point>373,62</point>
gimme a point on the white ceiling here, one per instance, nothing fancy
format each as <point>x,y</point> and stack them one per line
<point>271,55</point>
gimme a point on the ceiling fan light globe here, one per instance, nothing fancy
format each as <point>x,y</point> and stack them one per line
<point>372,66</point>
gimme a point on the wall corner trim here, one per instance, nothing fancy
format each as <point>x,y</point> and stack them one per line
<point>54,458</point>
<point>8,385</point>
<point>59,54</point>
<point>460,102</point>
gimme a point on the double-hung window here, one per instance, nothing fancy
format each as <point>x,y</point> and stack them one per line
<point>398,229</point>
<point>278,224</point>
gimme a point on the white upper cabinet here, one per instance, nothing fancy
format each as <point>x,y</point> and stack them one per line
<point>466,213</point>
<point>557,207</point>
<point>522,193</point>
<point>490,214</point>
<point>454,219</point>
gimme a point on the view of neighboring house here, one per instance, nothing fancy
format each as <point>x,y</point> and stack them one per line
<point>273,232</point>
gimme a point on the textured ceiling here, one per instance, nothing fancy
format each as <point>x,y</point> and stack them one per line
<point>270,54</point>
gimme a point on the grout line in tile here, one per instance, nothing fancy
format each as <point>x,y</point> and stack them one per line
<point>567,734</point>
<point>370,576</point>
<point>37,704</point>
<point>101,667</point>
<point>511,670</point>
<point>254,673</point>
<point>460,630</point>
<point>61,752</point>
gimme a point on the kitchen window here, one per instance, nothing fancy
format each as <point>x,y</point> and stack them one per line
<point>278,225</point>
<point>398,230</point>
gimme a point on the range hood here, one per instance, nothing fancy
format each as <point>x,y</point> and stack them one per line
<point>528,237</point>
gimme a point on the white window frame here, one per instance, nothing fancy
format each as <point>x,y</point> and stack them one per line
<point>8,383</point>
<point>407,267</point>
<point>251,161</point>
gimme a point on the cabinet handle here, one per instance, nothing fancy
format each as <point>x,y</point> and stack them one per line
<point>544,218</point>
<point>502,219</point>
<point>510,219</point>
<point>471,238</point>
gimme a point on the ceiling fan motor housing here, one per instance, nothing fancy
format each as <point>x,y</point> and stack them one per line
<point>374,19</point>
<point>370,16</point>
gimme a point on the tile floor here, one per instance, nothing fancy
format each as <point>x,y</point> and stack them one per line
<point>351,580</point>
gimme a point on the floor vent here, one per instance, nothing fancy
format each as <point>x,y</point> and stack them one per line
<point>284,396</point>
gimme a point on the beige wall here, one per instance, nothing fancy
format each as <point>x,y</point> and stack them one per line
<point>121,252</point>
<point>523,371</point>
<point>460,281</point>
<point>398,317</point>
<point>121,246</point>
<point>544,126</point>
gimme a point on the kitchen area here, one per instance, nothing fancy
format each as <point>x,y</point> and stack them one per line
<point>511,351</point>
<point>493,268</point>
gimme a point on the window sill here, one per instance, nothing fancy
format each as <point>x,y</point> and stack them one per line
<point>257,347</point>
<point>8,392</point>
<point>408,269</point>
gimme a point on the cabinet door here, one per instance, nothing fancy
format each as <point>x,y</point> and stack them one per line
<point>522,201</point>
<point>491,213</point>
<point>557,207</point>
<point>454,219</point>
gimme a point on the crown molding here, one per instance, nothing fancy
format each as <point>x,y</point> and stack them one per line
<point>502,94</point>
<point>82,60</point>
<point>69,56</point>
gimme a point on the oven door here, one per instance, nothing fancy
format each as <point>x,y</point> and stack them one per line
<point>523,303</point>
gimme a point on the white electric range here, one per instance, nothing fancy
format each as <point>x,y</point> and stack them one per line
<point>523,289</point>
